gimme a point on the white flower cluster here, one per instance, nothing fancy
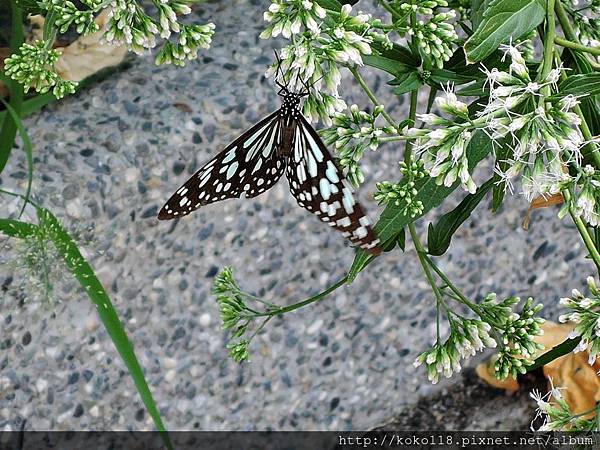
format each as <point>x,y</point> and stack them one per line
<point>444,150</point>
<point>585,313</point>
<point>541,141</point>
<point>320,42</point>
<point>287,17</point>
<point>129,25</point>
<point>555,412</point>
<point>468,336</point>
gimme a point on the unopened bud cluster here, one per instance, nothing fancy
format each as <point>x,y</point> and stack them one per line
<point>584,312</point>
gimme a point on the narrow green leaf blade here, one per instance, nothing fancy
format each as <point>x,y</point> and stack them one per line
<point>557,351</point>
<point>393,220</point>
<point>28,150</point>
<point>84,273</point>
<point>582,84</point>
<point>408,83</point>
<point>440,235</point>
<point>16,228</point>
<point>501,20</point>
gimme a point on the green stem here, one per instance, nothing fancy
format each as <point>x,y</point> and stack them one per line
<point>394,138</point>
<point>421,253</point>
<point>550,33</point>
<point>412,115</point>
<point>567,28</point>
<point>308,301</point>
<point>576,46</point>
<point>8,132</point>
<point>372,97</point>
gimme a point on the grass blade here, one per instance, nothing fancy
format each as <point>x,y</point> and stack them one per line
<point>8,130</point>
<point>84,273</point>
<point>28,151</point>
<point>565,347</point>
<point>16,228</point>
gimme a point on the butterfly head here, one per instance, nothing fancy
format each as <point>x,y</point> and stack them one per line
<point>290,99</point>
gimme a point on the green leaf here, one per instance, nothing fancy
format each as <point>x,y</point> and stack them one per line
<point>393,220</point>
<point>478,7</point>
<point>332,5</point>
<point>582,84</point>
<point>395,61</point>
<point>28,150</point>
<point>83,272</point>
<point>29,6</point>
<point>401,239</point>
<point>15,228</point>
<point>476,89</point>
<point>557,351</point>
<point>440,234</point>
<point>8,129</point>
<point>407,82</point>
<point>501,20</point>
<point>32,105</point>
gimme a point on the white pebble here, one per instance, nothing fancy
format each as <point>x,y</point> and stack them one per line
<point>205,320</point>
<point>41,385</point>
<point>170,376</point>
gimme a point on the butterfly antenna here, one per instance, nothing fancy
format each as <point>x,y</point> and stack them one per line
<point>305,86</point>
<point>279,71</point>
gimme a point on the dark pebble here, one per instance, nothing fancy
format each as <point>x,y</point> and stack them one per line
<point>212,271</point>
<point>26,338</point>
<point>139,415</point>
<point>543,250</point>
<point>335,401</point>
<point>87,374</point>
<point>150,212</point>
<point>178,167</point>
<point>78,411</point>
<point>327,361</point>
<point>74,378</point>
<point>205,232</point>
<point>196,138</point>
<point>86,152</point>
<point>323,340</point>
<point>179,333</point>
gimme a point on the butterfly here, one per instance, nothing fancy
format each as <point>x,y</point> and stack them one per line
<point>284,141</point>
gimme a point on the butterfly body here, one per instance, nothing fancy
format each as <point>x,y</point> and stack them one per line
<point>282,142</point>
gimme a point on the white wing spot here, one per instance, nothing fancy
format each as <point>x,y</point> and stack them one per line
<point>230,155</point>
<point>331,172</point>
<point>183,201</point>
<point>232,168</point>
<point>324,188</point>
<point>360,232</point>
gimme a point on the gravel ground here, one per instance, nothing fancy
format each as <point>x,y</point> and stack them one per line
<point>105,161</point>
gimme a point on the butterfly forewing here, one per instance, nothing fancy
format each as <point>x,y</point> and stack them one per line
<point>319,186</point>
<point>249,165</point>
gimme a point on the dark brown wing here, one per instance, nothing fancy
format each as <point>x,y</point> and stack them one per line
<point>319,186</point>
<point>249,165</point>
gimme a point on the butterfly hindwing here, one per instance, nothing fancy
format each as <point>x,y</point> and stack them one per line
<point>249,165</point>
<point>319,186</point>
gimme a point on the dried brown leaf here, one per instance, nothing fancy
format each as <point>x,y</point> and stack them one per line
<point>541,202</point>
